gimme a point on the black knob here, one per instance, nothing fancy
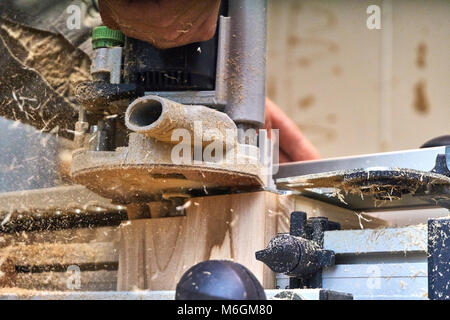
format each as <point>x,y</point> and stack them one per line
<point>282,254</point>
<point>219,280</point>
<point>437,142</point>
<point>294,255</point>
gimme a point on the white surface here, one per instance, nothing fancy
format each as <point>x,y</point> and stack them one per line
<point>406,239</point>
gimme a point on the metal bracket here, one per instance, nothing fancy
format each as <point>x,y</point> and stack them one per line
<point>439,259</point>
<point>300,253</point>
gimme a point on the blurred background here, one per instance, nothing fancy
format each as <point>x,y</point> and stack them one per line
<point>353,90</point>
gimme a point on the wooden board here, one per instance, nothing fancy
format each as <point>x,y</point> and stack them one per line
<point>67,236</point>
<point>40,260</point>
<point>154,253</point>
<point>101,280</point>
<point>61,254</point>
<point>347,218</point>
<point>64,198</point>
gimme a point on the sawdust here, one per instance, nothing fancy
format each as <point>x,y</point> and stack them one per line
<point>384,185</point>
<point>23,293</point>
<point>62,65</point>
<point>39,260</point>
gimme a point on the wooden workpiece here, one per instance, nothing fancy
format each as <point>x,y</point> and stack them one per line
<point>63,198</point>
<point>39,260</point>
<point>154,253</point>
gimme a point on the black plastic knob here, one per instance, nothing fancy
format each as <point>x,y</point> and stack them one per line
<point>219,280</point>
<point>437,142</point>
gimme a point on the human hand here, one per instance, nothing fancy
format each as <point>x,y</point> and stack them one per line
<point>294,146</point>
<point>163,23</point>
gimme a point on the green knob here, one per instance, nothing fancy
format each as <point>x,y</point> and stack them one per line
<point>104,37</point>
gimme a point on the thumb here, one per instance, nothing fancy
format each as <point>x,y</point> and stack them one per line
<point>107,14</point>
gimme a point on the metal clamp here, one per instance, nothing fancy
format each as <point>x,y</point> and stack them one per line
<point>300,253</point>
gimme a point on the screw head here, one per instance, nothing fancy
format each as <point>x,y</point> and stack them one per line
<point>104,37</point>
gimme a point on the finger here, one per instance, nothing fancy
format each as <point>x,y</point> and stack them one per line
<point>207,28</point>
<point>165,24</point>
<point>132,33</point>
<point>197,26</point>
<point>292,141</point>
<point>283,157</point>
<point>268,124</point>
<point>149,13</point>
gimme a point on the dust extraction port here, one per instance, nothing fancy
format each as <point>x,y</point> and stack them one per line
<point>158,118</point>
<point>145,114</point>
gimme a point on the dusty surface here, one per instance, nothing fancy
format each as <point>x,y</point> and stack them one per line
<point>55,208</point>
<point>145,169</point>
<point>45,102</point>
<point>53,57</point>
<point>124,183</point>
<point>383,185</point>
<point>176,116</point>
<point>64,199</point>
<point>40,260</point>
